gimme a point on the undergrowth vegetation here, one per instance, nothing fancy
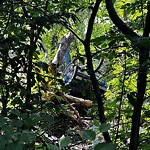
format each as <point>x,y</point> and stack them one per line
<point>35,113</point>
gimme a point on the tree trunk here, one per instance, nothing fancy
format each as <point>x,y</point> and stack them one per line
<point>91,70</point>
<point>141,86</point>
<point>96,90</point>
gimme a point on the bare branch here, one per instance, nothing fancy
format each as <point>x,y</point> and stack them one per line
<point>75,34</point>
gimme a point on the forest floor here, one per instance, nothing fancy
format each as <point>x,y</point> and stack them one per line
<point>67,126</point>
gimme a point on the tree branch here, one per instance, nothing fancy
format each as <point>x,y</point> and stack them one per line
<point>117,21</point>
<point>91,20</point>
<point>75,34</point>
<point>147,24</point>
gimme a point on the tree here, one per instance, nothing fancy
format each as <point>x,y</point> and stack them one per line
<point>142,71</point>
<point>31,96</point>
<point>142,68</point>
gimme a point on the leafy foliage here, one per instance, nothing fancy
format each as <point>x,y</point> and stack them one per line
<point>31,103</point>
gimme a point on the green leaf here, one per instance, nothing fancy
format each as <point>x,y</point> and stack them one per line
<point>104,127</point>
<point>14,137</point>
<point>147,148</point>
<point>19,146</point>
<point>8,129</point>
<point>24,116</point>
<point>100,40</point>
<point>36,118</point>
<point>64,141</point>
<point>52,147</point>
<point>48,118</point>
<point>96,122</point>
<point>2,144</point>
<point>89,134</point>
<point>13,146</point>
<point>29,122</point>
<point>16,112</point>
<point>2,121</point>
<point>105,146</point>
<point>113,1</point>
<point>18,123</point>
<point>27,137</point>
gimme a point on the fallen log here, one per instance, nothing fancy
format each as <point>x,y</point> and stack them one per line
<point>79,101</point>
<point>71,99</point>
<point>72,102</point>
<point>75,101</point>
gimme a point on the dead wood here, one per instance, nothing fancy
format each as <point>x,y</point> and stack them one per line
<point>79,101</point>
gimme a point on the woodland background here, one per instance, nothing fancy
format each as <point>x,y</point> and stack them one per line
<point>35,113</point>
